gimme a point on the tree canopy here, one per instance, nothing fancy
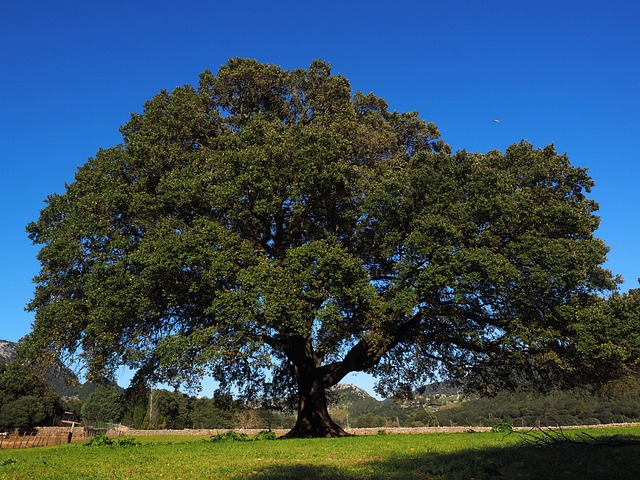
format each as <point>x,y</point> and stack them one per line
<point>277,231</point>
<point>25,398</point>
<point>607,345</point>
<point>104,405</point>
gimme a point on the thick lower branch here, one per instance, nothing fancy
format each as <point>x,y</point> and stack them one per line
<point>365,354</point>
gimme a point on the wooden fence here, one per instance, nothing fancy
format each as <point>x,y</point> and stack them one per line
<point>42,436</point>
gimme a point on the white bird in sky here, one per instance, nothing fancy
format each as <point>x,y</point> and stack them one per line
<point>496,121</point>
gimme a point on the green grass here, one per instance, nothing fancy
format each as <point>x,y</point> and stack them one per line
<point>425,456</point>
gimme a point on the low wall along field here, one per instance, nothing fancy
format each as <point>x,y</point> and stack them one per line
<point>128,432</point>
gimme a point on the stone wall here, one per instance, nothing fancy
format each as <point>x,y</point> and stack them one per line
<point>129,432</point>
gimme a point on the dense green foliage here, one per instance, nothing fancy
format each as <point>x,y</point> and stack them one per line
<point>102,440</point>
<point>519,408</point>
<point>25,398</point>
<point>105,404</point>
<point>278,231</point>
<point>175,410</point>
<point>530,409</point>
<point>608,340</point>
<point>232,436</point>
<point>37,405</point>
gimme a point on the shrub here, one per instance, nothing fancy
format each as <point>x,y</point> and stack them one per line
<point>503,427</point>
<point>101,439</point>
<point>126,442</point>
<point>265,435</point>
<point>230,436</point>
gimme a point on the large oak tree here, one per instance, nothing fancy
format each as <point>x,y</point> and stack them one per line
<point>275,230</point>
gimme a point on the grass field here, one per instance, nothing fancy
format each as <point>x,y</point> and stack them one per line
<point>421,456</point>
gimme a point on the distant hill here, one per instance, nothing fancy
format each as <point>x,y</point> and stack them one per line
<point>357,401</point>
<point>59,377</point>
<point>7,350</point>
<point>350,393</point>
<point>440,388</point>
<point>353,399</point>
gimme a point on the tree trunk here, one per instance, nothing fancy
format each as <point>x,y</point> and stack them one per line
<point>313,415</point>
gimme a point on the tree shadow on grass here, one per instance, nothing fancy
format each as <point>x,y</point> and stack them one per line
<point>566,462</point>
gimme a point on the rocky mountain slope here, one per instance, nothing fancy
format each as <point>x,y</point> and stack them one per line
<point>350,399</point>
<point>7,350</point>
<point>59,377</point>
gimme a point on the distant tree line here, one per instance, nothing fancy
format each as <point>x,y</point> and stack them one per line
<point>27,400</point>
<point>557,408</point>
<point>521,409</point>
<point>163,409</point>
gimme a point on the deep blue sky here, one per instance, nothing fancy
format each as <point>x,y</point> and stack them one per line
<point>551,71</point>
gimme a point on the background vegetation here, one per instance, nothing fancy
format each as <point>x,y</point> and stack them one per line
<point>28,400</point>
